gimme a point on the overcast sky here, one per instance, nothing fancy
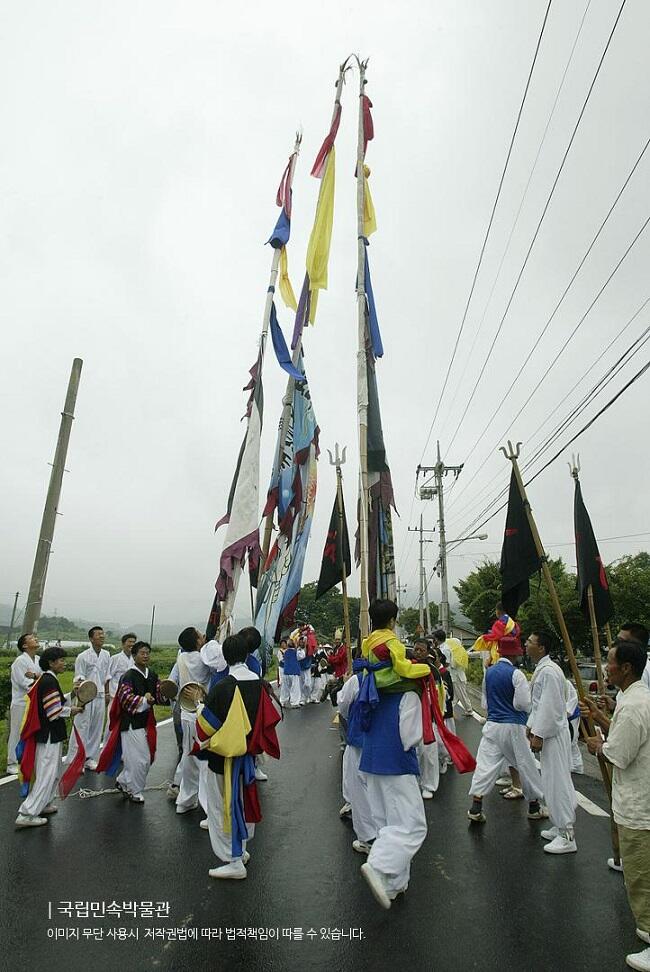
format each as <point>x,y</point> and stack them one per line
<point>142,147</point>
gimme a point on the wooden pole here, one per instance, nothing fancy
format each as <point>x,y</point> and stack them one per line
<point>153,616</point>
<point>44,546</point>
<point>608,635</point>
<point>596,641</point>
<point>513,454</point>
<point>13,618</point>
<point>288,397</point>
<point>362,373</point>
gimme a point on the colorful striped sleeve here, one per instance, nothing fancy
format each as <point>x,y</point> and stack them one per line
<point>129,701</point>
<point>52,705</point>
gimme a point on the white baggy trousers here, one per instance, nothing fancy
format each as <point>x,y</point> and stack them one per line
<point>499,741</point>
<point>398,811</point>
<point>221,842</point>
<point>560,794</point>
<point>89,725</point>
<point>355,792</point>
<point>47,769</point>
<point>136,761</point>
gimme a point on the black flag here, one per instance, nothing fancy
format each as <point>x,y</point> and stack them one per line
<point>519,557</point>
<point>336,553</point>
<point>590,567</point>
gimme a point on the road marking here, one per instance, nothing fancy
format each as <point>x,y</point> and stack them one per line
<point>14,779</point>
<point>590,807</point>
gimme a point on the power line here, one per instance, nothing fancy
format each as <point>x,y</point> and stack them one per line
<point>575,412</point>
<point>566,445</point>
<point>539,224</point>
<point>516,219</point>
<point>489,227</point>
<point>552,412</point>
<point>527,358</point>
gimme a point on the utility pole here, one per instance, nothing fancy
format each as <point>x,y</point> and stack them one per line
<point>423,598</point>
<point>13,618</point>
<point>400,590</point>
<point>41,560</point>
<point>440,471</point>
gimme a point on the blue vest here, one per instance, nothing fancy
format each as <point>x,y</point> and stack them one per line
<point>305,663</point>
<point>291,663</point>
<point>500,692</point>
<point>382,752</point>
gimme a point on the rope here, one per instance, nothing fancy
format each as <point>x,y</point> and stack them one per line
<point>84,794</point>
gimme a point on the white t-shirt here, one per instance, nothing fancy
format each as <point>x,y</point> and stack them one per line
<point>20,684</point>
<point>93,667</point>
<point>118,665</point>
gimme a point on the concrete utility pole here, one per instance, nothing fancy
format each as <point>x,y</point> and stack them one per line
<point>440,471</point>
<point>41,560</point>
<point>13,618</point>
<point>425,614</point>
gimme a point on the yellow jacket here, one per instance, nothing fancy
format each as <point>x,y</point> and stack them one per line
<point>382,645</point>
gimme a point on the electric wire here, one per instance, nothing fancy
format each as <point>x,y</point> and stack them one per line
<point>539,225</point>
<point>489,228</point>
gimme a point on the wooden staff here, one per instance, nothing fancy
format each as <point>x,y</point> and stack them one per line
<point>608,635</point>
<point>513,454</point>
<point>362,372</point>
<point>596,641</point>
<point>338,461</point>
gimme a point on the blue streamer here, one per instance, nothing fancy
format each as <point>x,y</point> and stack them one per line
<point>373,323</point>
<point>280,235</point>
<point>280,347</point>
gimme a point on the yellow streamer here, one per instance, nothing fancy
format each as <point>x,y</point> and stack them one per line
<point>318,250</point>
<point>286,290</point>
<point>369,218</point>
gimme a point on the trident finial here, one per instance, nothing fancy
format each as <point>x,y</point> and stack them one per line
<point>574,465</point>
<point>512,452</point>
<point>337,460</point>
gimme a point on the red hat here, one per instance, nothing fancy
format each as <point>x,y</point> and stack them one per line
<point>510,647</point>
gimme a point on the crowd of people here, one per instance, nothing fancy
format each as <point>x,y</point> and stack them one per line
<point>395,706</point>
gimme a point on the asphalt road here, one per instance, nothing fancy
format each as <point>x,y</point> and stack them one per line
<point>484,898</point>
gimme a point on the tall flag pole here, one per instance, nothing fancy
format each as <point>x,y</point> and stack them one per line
<point>517,501</point>
<point>242,515</point>
<point>337,565</point>
<point>593,586</point>
<point>375,549</point>
<point>315,279</point>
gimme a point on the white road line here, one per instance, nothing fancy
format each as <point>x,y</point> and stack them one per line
<point>14,779</point>
<point>590,807</point>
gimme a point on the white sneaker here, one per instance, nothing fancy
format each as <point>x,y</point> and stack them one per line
<point>260,774</point>
<point>611,863</point>
<point>192,806</point>
<point>172,791</point>
<point>644,936</point>
<point>549,834</point>
<point>246,857</point>
<point>234,871</point>
<point>427,795</point>
<point>49,809</point>
<point>91,764</point>
<point>345,810</point>
<point>639,960</point>
<point>204,824</point>
<point>361,847</point>
<point>376,885</point>
<point>136,798</point>
<point>504,781</point>
<point>443,767</point>
<point>12,769</point>
<point>24,820</point>
<point>564,843</point>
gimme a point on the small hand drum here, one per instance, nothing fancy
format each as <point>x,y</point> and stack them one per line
<point>86,692</point>
<point>168,689</point>
<point>191,695</point>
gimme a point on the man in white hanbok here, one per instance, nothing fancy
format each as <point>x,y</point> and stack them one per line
<point>548,732</point>
<point>92,665</point>
<point>189,667</point>
<point>24,672</point>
